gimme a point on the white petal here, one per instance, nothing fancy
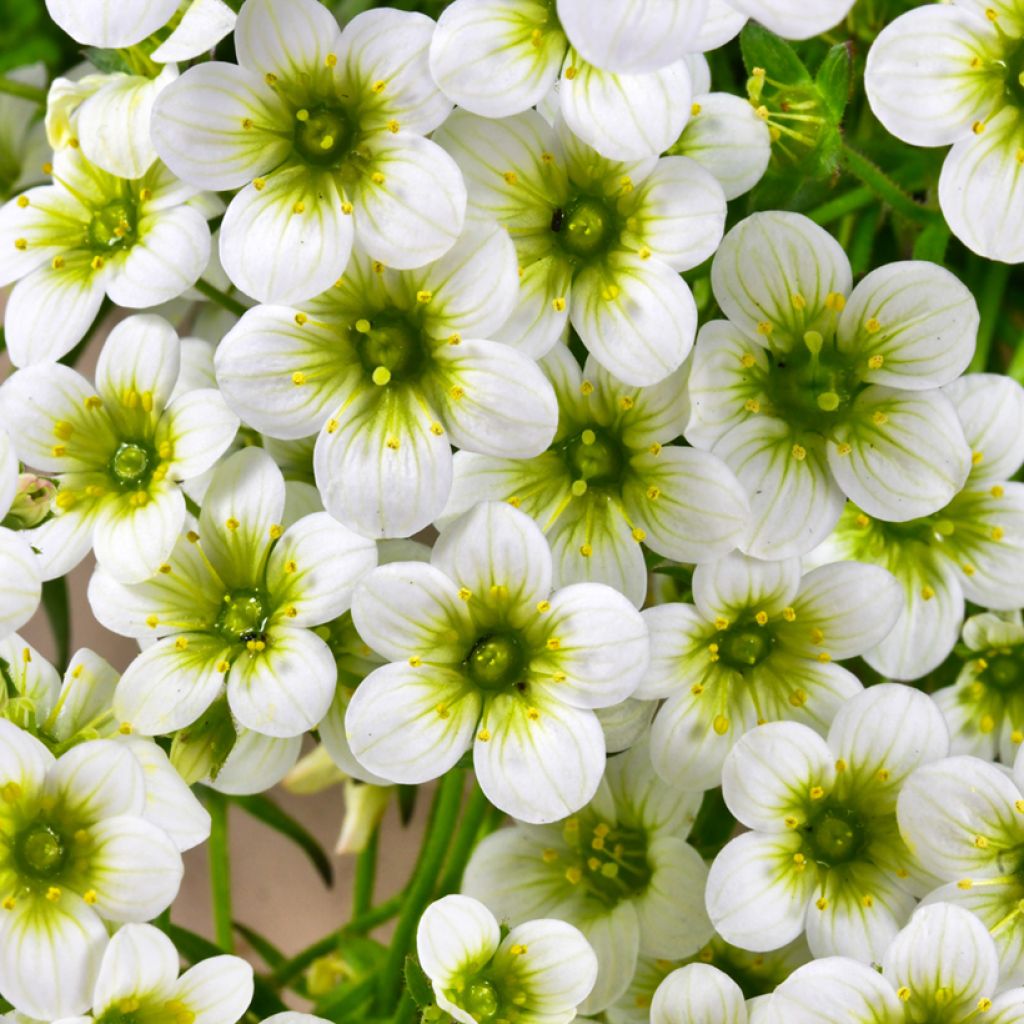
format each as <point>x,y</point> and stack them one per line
<point>216,990</point>
<point>542,760</point>
<point>557,968</point>
<point>614,935</point>
<point>793,20</point>
<point>204,24</point>
<point>141,354</point>
<point>289,239</point>
<point>925,322</point>
<point>636,317</point>
<point>256,763</point>
<point>730,586</point>
<point>108,23</point>
<point>416,214</point>
<point>721,24</point>
<point>990,408</point>
<point>97,780</point>
<point>698,994</point>
<point>288,39</point>
<point>63,541</point>
<point>455,935</point>
<point>919,78</point>
<point>910,464</point>
<point>24,760</point>
<point>673,921</point>
<point>496,545</point>
<point>411,724</point>
<point>199,427</point>
<point>140,961</point>
<point>198,128</point>
<point>836,990</point>
<point>23,587</point>
<point>133,541</point>
<point>286,689</point>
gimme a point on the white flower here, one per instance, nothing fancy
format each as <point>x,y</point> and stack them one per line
<point>392,368</point>
<point>984,708</point>
<point>620,870</point>
<point>138,978</point>
<point>540,971</point>
<point>140,242</point>
<point>964,820</point>
<point>812,393</point>
<point>484,655</point>
<point>19,567</point>
<point>233,608</point>
<point>611,481</point>
<point>698,994</point>
<point>75,836</point>
<point>325,129</point>
<point>971,548</point>
<point>117,450</point>
<point>757,645</point>
<point>824,853</point>
<point>941,967</point>
<point>793,19</point>
<point>951,74</point>
<point>600,243</point>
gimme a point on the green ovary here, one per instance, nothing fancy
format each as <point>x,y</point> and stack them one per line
<point>1011,68</point>
<point>243,616</point>
<point>496,661</point>
<point>390,347</point>
<point>113,226</point>
<point>595,456</point>
<point>323,134</point>
<point>585,228</point>
<point>132,464</point>
<point>41,851</point>
<point>745,647</point>
<point>834,836</point>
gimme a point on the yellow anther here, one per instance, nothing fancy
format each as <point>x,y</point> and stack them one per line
<point>978,127</point>
<point>747,360</point>
<point>97,263</point>
<point>872,326</point>
<point>436,429</point>
<point>824,657</point>
<point>21,244</point>
<point>610,292</point>
<point>379,85</point>
<point>981,842</point>
<point>259,184</point>
<point>653,493</point>
<point>424,296</point>
<point>799,302</point>
<point>301,319</point>
<point>720,725</point>
<point>570,72</point>
<point>8,903</point>
<point>639,535</point>
<point>483,735</point>
<point>586,550</point>
<point>879,418</point>
<point>65,499</point>
<point>231,523</point>
<point>331,60</point>
<point>302,115</point>
<point>298,207</point>
<point>553,643</point>
<point>586,388</point>
<point>876,361</point>
<point>761,618</point>
<point>697,689</point>
<point>58,451</point>
<point>798,698</point>
<point>378,267</point>
<point>442,710</point>
<point>290,566</point>
<point>968,569</point>
<point>752,405</point>
<point>181,643</point>
<point>655,449</point>
<point>882,774</point>
<point>835,301</point>
<point>721,623</point>
<point>862,521</point>
<point>986,724</point>
<point>903,993</point>
<point>222,666</point>
<point>765,328</point>
<point>53,894</point>
<point>465,593</point>
<point>456,392</point>
<point>984,1004</point>
<point>558,304</point>
<point>867,900</point>
<point>247,123</point>
<point>381,376</point>
<point>10,792</point>
<point>1017,736</point>
<point>298,378</point>
<point>977,458</point>
<point>532,714</point>
<point>377,178</point>
<point>817,792</point>
<point>573,875</point>
<point>789,614</point>
<point>821,903</point>
<point>511,177</point>
<point>275,531</point>
<point>799,452</point>
<point>90,896</point>
<point>23,201</point>
<point>842,448</point>
<point>965,883</point>
<point>626,403</point>
<point>152,621</point>
<point>57,262</point>
<point>927,592</point>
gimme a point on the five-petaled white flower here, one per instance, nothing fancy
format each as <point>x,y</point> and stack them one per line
<point>484,655</point>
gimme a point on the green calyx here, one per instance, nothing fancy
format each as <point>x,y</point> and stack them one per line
<point>585,228</point>
<point>243,617</point>
<point>113,226</point>
<point>608,861</point>
<point>41,851</point>
<point>497,661</point>
<point>390,346</point>
<point>323,134</point>
<point>1004,670</point>
<point>132,464</point>
<point>834,836</point>
<point>594,456</point>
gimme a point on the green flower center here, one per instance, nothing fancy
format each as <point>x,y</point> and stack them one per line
<point>41,851</point>
<point>585,227</point>
<point>323,134</point>
<point>497,661</point>
<point>481,1000</point>
<point>1003,670</point>
<point>595,456</point>
<point>113,226</point>
<point>745,647</point>
<point>836,835</point>
<point>390,347</point>
<point>131,464</point>
<point>243,616</point>
<point>1012,69</point>
<point>608,861</point>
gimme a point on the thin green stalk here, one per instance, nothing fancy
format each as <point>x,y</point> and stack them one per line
<point>443,816</point>
<point>1016,367</point>
<point>365,876</point>
<point>284,973</point>
<point>22,90</point>
<point>883,186</point>
<point>222,299</point>
<point>465,840</point>
<point>220,871</point>
<point>996,276</point>
<point>834,209</point>
<point>405,1012</point>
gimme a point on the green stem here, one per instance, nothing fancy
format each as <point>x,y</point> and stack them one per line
<point>1016,367</point>
<point>220,871</point>
<point>349,1001</point>
<point>284,973</point>
<point>405,1012</point>
<point>996,276</point>
<point>444,812</point>
<point>834,209</point>
<point>22,90</point>
<point>365,875</point>
<point>214,294</point>
<point>883,186</point>
<point>465,840</point>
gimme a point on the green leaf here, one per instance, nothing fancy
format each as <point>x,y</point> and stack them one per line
<point>764,49</point>
<point>417,983</point>
<point>265,810</point>
<point>833,80</point>
<point>272,956</point>
<point>107,61</point>
<point>58,611</point>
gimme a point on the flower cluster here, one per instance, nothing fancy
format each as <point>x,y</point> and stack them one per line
<point>478,390</point>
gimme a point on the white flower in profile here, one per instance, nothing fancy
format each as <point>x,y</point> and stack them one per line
<point>23,144</point>
<point>758,644</point>
<point>813,393</point>
<point>118,450</point>
<point>724,134</point>
<point>540,971</point>
<point>393,367</point>
<point>75,836</point>
<point>600,242</point>
<point>699,994</point>
<point>326,132</point>
<point>964,820</point>
<point>791,19</point>
<point>972,548</point>
<point>611,481</point>
<point>138,979</point>
<point>19,567</point>
<point>67,245</point>
<point>620,870</point>
<point>233,608</point>
<point>484,655</point>
<point>824,854</point>
<point>941,967</point>
<point>984,708</point>
<point>953,74</point>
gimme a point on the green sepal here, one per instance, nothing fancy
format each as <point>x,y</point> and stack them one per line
<point>764,49</point>
<point>417,983</point>
<point>199,750</point>
<point>58,611</point>
<point>833,80</point>
<point>108,61</point>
